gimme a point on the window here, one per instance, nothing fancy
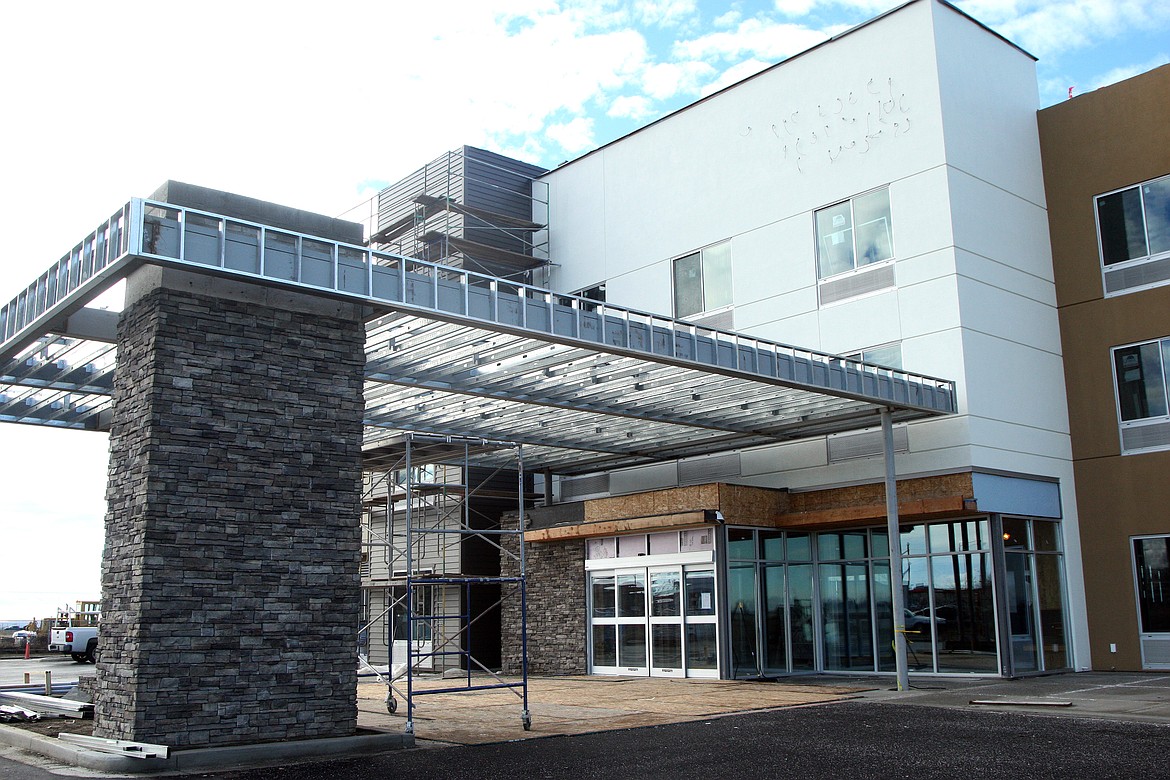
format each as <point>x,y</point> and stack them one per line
<point>1140,372</point>
<point>1134,223</point>
<point>702,280</point>
<point>1151,561</point>
<point>854,233</point>
<point>888,355</point>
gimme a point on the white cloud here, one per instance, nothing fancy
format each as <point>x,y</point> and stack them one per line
<point>667,79</point>
<point>762,39</point>
<point>794,7</point>
<point>573,136</point>
<point>735,73</point>
<point>1048,28</point>
<point>665,13</point>
<point>1122,73</point>
<point>729,19</point>
<point>636,107</point>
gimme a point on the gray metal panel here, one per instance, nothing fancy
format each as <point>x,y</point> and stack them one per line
<point>1016,495</point>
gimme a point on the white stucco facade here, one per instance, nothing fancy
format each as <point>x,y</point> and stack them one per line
<point>923,101</point>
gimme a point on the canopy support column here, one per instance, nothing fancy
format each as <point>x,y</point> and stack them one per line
<point>897,598</point>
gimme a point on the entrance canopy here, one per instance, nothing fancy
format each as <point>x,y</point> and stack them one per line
<point>583,385</point>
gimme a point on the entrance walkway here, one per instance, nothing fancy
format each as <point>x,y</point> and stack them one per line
<point>581,705</point>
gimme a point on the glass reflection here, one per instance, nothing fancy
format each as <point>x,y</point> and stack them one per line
<point>631,595</point>
<point>741,600</point>
<point>665,596</point>
<point>964,613</point>
<point>800,616</point>
<point>775,657</point>
<point>848,637</point>
<point>604,596</point>
<point>701,648</point>
<point>667,646</point>
<point>632,646</point>
<point>605,645</point>
<point>1050,593</point>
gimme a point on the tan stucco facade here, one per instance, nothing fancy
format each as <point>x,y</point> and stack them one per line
<point>1093,144</point>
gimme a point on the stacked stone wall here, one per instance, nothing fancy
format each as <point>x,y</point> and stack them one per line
<point>556,607</point>
<point>230,573</point>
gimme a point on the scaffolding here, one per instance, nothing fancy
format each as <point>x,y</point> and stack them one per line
<point>432,574</point>
<point>470,209</point>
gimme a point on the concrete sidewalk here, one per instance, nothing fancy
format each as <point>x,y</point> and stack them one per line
<point>1138,697</point>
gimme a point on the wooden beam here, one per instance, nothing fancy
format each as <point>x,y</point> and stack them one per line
<point>613,527</point>
<point>914,509</point>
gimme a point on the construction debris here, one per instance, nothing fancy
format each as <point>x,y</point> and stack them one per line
<point>119,747</point>
<point>48,705</point>
<point>12,714</point>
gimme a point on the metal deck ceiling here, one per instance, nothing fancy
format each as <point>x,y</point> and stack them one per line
<point>583,385</point>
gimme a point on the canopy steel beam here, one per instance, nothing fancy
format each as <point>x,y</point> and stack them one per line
<point>583,384</point>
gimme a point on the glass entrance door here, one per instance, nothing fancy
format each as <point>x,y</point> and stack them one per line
<point>658,621</point>
<point>666,622</point>
<point>631,622</point>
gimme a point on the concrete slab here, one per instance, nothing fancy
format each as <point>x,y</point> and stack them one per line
<point>202,758</point>
<point>581,705</point>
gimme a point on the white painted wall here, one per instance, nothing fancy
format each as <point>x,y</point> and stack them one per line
<point>941,111</point>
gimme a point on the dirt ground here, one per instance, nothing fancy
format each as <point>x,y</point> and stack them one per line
<point>557,705</point>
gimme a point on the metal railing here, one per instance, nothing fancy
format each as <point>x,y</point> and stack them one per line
<point>149,231</point>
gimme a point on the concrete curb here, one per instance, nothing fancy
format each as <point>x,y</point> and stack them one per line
<point>203,758</point>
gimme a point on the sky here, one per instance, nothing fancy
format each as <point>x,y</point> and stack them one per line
<point>318,105</point>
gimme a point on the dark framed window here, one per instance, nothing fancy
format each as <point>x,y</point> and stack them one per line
<point>1134,223</point>
<point>1140,373</point>
<point>1151,563</point>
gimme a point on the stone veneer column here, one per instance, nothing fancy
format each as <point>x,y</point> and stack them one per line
<point>556,606</point>
<point>231,590</point>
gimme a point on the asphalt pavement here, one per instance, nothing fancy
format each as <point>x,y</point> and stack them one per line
<point>851,739</point>
<point>1064,726</point>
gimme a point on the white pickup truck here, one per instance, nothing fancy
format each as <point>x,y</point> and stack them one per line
<point>75,632</point>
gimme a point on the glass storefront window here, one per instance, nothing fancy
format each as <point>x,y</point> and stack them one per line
<point>1046,536</point>
<point>799,547</point>
<point>1015,534</point>
<point>775,646</point>
<point>964,613</point>
<point>741,605</point>
<point>1050,592</point>
<point>912,540</point>
<point>741,544</point>
<point>772,545</point>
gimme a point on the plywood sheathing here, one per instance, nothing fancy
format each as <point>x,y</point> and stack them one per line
<point>616,527</point>
<point>922,498</point>
<point>746,503</point>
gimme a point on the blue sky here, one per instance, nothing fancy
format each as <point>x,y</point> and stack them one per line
<point>316,105</point>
